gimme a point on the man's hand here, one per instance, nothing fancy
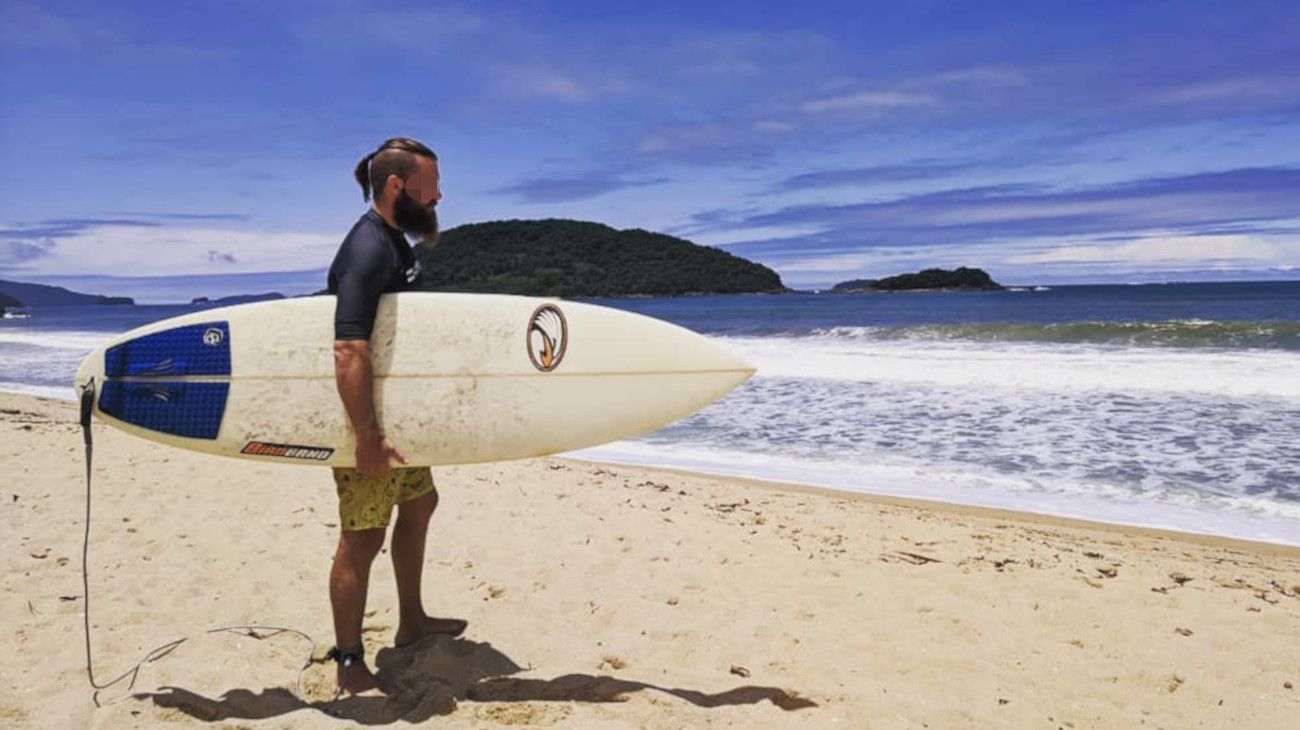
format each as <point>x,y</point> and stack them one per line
<point>374,455</point>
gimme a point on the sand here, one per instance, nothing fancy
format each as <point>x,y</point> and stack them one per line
<point>606,596</point>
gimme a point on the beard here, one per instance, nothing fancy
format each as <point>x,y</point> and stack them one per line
<point>416,219</point>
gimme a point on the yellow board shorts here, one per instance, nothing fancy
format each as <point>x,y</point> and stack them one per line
<point>366,502</point>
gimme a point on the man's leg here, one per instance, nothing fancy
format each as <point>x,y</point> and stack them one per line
<point>409,536</point>
<point>349,578</point>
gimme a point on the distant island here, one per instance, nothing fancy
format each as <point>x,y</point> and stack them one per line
<point>569,258</point>
<point>237,299</point>
<point>41,295</point>
<point>9,302</point>
<point>961,279</point>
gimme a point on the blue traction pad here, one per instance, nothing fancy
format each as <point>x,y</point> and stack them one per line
<point>188,409</point>
<point>196,349</point>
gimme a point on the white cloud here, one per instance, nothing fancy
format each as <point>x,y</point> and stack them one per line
<point>174,251</point>
<point>1179,250</point>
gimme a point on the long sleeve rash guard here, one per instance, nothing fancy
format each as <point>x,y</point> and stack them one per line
<point>374,259</point>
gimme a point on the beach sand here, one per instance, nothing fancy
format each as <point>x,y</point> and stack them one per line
<point>606,596</point>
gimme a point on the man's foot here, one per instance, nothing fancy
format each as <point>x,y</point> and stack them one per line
<point>356,679</point>
<point>410,632</point>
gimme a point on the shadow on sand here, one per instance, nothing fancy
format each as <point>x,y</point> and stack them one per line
<point>433,676</point>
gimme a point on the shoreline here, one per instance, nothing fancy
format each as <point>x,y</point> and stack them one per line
<point>959,509</point>
<point>956,508</point>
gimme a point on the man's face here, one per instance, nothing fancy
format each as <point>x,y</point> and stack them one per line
<point>414,208</point>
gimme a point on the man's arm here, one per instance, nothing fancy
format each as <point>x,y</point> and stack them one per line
<point>359,286</point>
<point>356,386</point>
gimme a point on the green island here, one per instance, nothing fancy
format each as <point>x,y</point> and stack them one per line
<point>960,279</point>
<point>569,258</point>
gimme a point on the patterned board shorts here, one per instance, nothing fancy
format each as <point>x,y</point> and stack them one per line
<point>366,502</point>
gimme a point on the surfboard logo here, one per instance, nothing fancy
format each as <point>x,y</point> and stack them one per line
<point>311,453</point>
<point>213,337</point>
<point>548,336</point>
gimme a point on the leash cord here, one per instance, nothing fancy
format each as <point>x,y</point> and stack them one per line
<point>87,409</point>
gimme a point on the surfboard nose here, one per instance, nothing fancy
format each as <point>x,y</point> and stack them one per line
<point>708,353</point>
<point>729,361</point>
<point>739,363</point>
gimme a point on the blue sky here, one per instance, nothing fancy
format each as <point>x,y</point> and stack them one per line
<point>177,149</point>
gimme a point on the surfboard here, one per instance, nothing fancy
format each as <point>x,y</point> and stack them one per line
<point>459,378</point>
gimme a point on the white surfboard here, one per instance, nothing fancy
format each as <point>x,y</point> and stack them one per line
<point>459,378</point>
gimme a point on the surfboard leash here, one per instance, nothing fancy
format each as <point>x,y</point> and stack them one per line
<point>87,411</point>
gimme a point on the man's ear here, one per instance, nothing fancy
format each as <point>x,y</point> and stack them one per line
<point>392,184</point>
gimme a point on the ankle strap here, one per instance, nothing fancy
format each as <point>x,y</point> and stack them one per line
<point>347,658</point>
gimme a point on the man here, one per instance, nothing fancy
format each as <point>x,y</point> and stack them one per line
<point>375,259</point>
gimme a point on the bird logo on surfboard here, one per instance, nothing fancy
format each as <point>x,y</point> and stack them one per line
<point>548,335</point>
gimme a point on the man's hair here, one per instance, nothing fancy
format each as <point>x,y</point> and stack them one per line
<point>394,157</point>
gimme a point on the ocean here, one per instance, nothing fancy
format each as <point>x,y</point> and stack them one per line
<point>1173,406</point>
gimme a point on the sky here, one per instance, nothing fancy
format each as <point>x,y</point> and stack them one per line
<point>178,149</point>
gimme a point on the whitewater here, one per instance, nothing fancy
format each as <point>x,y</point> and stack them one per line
<point>1174,406</point>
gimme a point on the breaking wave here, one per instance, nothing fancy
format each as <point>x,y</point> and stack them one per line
<point>1189,333</point>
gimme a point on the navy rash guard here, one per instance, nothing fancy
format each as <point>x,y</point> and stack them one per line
<point>374,259</point>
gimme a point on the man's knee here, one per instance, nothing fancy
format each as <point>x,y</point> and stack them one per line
<point>360,546</point>
<point>420,508</point>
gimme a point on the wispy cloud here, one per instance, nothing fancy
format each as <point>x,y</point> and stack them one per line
<point>873,101</point>
<point>1242,219</point>
<point>183,288</point>
<point>899,172</point>
<point>16,253</point>
<point>539,82</point>
<point>1269,87</point>
<point>742,142</point>
<point>188,216</point>
<point>941,87</point>
<point>577,186</point>
<point>68,227</point>
<point>146,248</point>
<point>986,213</point>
